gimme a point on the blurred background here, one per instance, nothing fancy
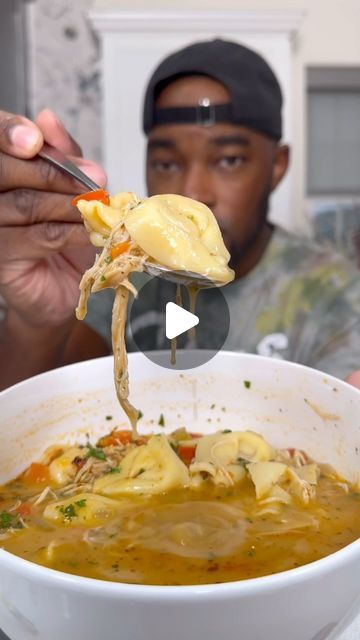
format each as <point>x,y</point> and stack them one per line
<point>89,61</point>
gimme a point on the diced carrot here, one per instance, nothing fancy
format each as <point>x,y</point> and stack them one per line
<point>24,509</point>
<point>36,474</point>
<point>99,194</point>
<point>186,452</point>
<point>120,437</point>
<point>118,249</point>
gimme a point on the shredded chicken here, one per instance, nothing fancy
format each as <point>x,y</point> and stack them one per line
<point>113,272</point>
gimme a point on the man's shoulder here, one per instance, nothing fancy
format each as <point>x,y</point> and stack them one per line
<point>298,254</point>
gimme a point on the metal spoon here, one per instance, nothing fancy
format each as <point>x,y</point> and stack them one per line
<point>60,161</point>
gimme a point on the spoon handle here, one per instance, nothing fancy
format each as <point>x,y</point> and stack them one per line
<point>59,160</point>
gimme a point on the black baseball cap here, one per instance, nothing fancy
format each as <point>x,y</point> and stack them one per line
<point>255,94</point>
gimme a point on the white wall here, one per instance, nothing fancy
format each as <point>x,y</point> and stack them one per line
<point>64,70</point>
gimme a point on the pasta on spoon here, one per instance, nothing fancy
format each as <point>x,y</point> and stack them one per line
<point>168,230</point>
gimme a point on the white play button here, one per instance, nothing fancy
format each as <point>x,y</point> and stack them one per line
<point>178,320</point>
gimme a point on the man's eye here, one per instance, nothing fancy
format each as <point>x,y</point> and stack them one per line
<point>164,166</point>
<point>230,162</point>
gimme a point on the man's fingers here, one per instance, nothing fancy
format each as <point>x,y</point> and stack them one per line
<point>40,174</point>
<point>55,133</point>
<point>92,170</point>
<point>354,379</point>
<point>41,240</point>
<point>19,137</point>
<point>21,207</point>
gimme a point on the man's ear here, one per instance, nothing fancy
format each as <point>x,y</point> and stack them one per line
<point>280,165</point>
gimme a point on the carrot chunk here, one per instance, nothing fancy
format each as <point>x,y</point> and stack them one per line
<point>99,194</point>
<point>36,474</point>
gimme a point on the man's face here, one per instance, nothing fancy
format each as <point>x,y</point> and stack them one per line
<point>230,168</point>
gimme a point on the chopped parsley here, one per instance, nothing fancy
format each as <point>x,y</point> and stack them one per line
<point>9,521</point>
<point>81,503</point>
<point>115,470</point>
<point>161,421</point>
<point>108,259</point>
<point>108,417</point>
<point>140,415</point>
<point>103,279</point>
<point>95,452</point>
<point>247,384</point>
<point>226,431</point>
<point>70,511</point>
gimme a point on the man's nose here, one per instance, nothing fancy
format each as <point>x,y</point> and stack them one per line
<point>198,185</point>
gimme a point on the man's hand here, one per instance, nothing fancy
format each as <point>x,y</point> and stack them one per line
<point>44,250</point>
<point>354,379</point>
<point>44,247</point>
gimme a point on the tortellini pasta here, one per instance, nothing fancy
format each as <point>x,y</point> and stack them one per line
<point>268,478</point>
<point>265,475</point>
<point>223,456</point>
<point>149,469</point>
<point>174,231</point>
<point>100,218</point>
<point>84,508</point>
<point>62,470</point>
<point>180,233</point>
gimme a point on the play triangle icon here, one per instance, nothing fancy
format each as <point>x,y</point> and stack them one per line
<point>178,320</point>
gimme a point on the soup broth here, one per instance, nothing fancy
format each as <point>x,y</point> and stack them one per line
<point>177,510</point>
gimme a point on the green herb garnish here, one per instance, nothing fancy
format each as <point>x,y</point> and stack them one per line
<point>227,431</point>
<point>102,279</point>
<point>68,512</point>
<point>140,415</point>
<point>9,521</point>
<point>108,417</point>
<point>108,259</point>
<point>81,503</point>
<point>140,472</point>
<point>247,384</point>
<point>161,421</point>
<point>115,470</point>
<point>95,452</point>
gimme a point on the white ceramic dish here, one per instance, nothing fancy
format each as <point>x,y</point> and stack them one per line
<point>289,404</point>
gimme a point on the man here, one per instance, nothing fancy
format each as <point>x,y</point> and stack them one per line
<point>213,118</point>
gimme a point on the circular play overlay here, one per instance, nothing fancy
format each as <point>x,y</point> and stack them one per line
<point>200,330</point>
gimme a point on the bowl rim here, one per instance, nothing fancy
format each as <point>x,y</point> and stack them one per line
<point>135,355</point>
<point>249,586</point>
